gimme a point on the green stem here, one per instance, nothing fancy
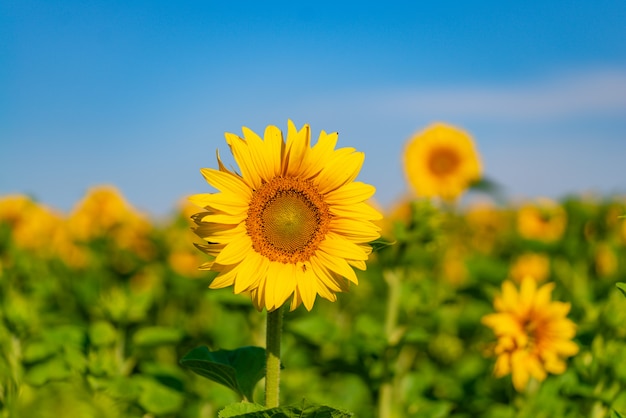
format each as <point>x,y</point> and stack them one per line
<point>272,357</point>
<point>386,393</point>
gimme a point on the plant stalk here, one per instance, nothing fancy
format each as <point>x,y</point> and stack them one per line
<point>272,357</point>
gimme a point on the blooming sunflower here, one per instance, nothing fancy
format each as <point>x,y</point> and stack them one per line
<point>534,265</point>
<point>441,161</point>
<point>545,220</point>
<point>534,335</point>
<point>293,222</point>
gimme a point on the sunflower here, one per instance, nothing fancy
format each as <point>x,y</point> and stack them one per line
<point>292,223</point>
<point>535,265</point>
<point>534,335</point>
<point>544,220</point>
<point>441,161</point>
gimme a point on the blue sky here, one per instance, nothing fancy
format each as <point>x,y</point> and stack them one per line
<point>139,94</point>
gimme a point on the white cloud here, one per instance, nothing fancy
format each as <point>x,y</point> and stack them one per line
<point>595,92</point>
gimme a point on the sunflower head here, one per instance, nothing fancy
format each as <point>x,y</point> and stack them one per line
<point>441,161</point>
<point>535,265</point>
<point>292,223</point>
<point>544,220</point>
<point>533,332</point>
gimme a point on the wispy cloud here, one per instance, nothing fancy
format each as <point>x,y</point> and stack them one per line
<point>595,92</point>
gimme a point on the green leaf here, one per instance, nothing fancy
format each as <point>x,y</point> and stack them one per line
<point>239,369</point>
<point>622,287</point>
<point>154,336</point>
<point>159,399</point>
<point>42,373</point>
<point>306,410</point>
<point>239,409</point>
<point>615,414</point>
<point>102,333</point>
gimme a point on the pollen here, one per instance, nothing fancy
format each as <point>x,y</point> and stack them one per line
<point>287,219</point>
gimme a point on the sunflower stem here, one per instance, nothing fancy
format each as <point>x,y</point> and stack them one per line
<point>272,357</point>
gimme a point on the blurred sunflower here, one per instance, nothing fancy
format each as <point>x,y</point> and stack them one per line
<point>38,228</point>
<point>487,224</point>
<point>534,335</point>
<point>543,220</point>
<point>103,212</point>
<point>535,265</point>
<point>294,222</point>
<point>441,161</point>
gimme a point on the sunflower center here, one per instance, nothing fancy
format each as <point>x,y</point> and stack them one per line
<point>287,219</point>
<point>443,161</point>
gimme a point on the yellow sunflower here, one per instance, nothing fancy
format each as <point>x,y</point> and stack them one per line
<point>544,220</point>
<point>534,265</point>
<point>534,335</point>
<point>293,222</point>
<point>441,161</point>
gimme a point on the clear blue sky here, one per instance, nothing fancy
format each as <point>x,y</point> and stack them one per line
<point>139,93</point>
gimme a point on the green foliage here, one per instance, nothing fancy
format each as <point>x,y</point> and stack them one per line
<point>239,369</point>
<point>105,338</point>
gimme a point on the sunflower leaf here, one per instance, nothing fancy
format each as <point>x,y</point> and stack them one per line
<point>238,369</point>
<point>240,409</point>
<point>305,410</point>
<point>622,287</point>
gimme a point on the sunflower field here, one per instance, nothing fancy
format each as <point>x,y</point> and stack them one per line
<point>492,308</point>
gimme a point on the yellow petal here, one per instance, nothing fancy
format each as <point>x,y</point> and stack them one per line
<point>520,371</point>
<point>354,229</point>
<point>341,169</point>
<point>306,286</point>
<point>350,193</point>
<point>503,365</point>
<point>259,154</point>
<point>241,153</point>
<point>361,211</point>
<point>340,247</point>
<point>224,202</point>
<point>223,218</point>
<point>225,278</point>
<point>338,265</point>
<point>324,275</point>
<point>281,283</point>
<point>296,300</point>
<point>235,251</point>
<point>298,143</point>
<point>275,148</point>
<point>319,155</point>
<point>226,182</point>
<point>250,271</point>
